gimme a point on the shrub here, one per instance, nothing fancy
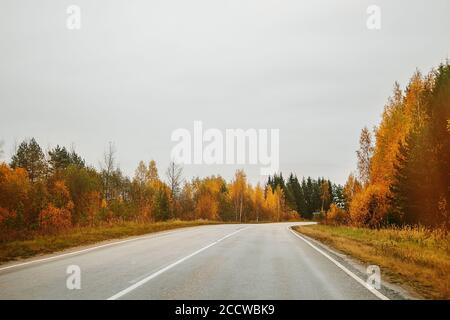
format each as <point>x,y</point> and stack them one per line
<point>337,216</point>
<point>370,206</point>
<point>53,219</point>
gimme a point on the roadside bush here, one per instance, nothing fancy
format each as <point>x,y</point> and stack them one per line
<point>53,219</point>
<point>370,207</point>
<point>337,216</point>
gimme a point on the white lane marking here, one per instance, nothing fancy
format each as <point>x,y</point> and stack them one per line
<point>170,266</point>
<point>351,274</point>
<point>93,248</point>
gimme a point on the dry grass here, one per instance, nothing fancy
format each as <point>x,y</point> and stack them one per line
<point>85,235</point>
<point>416,256</point>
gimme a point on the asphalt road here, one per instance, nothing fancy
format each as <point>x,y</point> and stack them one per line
<point>264,261</point>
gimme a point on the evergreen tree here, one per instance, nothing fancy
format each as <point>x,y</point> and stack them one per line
<point>29,156</point>
<point>420,192</point>
<point>295,191</point>
<point>60,158</point>
<point>162,204</point>
<point>309,197</point>
<point>289,193</point>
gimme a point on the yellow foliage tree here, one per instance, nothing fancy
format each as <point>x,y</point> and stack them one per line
<point>337,216</point>
<point>238,188</point>
<point>370,206</point>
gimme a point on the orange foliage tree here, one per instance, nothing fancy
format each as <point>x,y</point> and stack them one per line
<point>15,188</point>
<point>57,215</point>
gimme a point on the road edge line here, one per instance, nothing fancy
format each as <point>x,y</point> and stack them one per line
<point>377,293</point>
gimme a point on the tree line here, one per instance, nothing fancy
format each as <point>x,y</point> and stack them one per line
<point>309,196</point>
<point>403,178</point>
<point>403,173</point>
<point>47,192</point>
<point>53,191</point>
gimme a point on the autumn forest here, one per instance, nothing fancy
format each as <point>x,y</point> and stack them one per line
<point>402,178</point>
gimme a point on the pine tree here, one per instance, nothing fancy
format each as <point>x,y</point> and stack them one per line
<point>295,195</point>
<point>29,156</point>
<point>400,189</point>
<point>60,158</point>
<point>289,193</point>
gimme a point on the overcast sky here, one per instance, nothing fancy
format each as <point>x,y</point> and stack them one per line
<point>137,70</point>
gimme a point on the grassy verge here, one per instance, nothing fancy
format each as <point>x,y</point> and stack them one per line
<point>86,235</point>
<point>417,257</point>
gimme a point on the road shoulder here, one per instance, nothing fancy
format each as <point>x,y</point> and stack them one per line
<point>390,286</point>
